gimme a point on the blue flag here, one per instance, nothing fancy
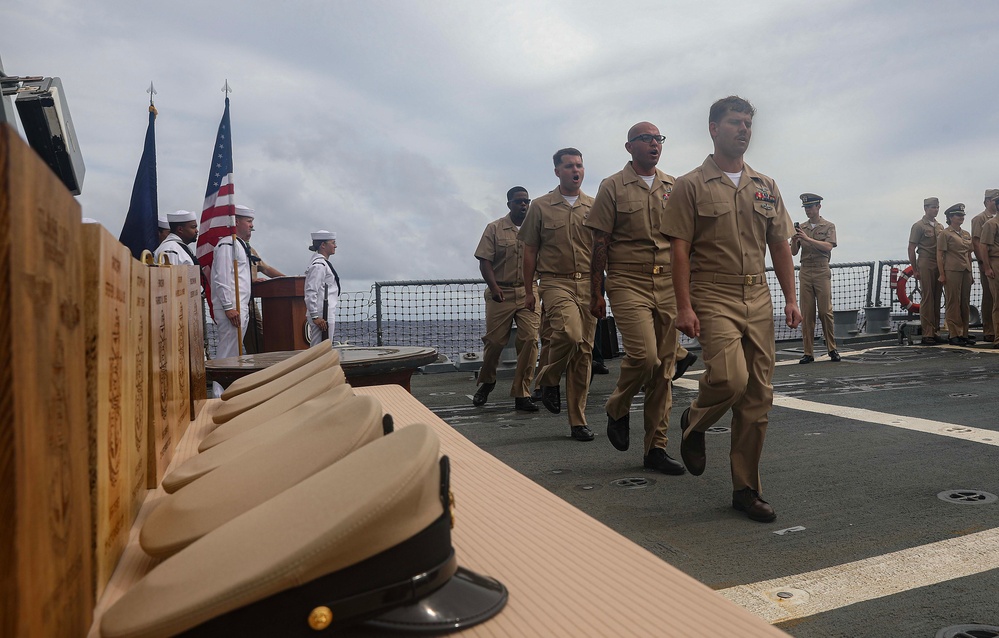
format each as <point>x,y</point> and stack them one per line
<point>140,231</point>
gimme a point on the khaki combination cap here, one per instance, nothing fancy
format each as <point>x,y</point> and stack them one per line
<point>956,209</point>
<point>260,474</point>
<point>931,201</point>
<point>272,372</point>
<point>289,567</point>
<point>992,193</point>
<point>327,363</point>
<point>809,199</point>
<point>258,415</point>
<point>226,451</point>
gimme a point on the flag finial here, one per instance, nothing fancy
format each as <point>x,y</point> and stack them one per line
<point>226,88</point>
<point>151,91</point>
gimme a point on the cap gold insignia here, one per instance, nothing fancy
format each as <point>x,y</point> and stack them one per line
<point>320,618</point>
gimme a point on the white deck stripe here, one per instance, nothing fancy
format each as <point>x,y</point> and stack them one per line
<point>834,587</point>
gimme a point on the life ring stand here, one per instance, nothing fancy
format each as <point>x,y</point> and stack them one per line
<point>900,292</point>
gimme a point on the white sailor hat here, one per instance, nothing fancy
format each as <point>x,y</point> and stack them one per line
<point>323,235</point>
<point>310,443</point>
<point>182,216</point>
<point>161,222</point>
<point>365,539</point>
<point>244,211</point>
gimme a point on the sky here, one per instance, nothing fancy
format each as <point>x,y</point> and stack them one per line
<point>400,125</point>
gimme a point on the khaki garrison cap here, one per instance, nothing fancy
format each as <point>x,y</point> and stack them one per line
<point>325,364</point>
<point>270,373</point>
<point>931,201</point>
<point>290,398</point>
<point>956,209</point>
<point>366,535</point>
<point>259,474</point>
<point>201,464</point>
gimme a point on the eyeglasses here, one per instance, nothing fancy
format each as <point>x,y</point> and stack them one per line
<point>520,200</point>
<point>648,138</point>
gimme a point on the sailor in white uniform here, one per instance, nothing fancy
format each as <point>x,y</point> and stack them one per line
<point>183,230</point>
<point>162,227</point>
<point>322,288</point>
<point>231,319</point>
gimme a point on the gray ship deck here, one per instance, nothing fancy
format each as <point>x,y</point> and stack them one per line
<point>857,456</point>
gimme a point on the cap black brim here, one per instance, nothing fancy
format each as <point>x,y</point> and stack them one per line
<point>466,599</point>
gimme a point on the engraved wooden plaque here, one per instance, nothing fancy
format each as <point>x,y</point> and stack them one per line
<point>138,379</point>
<point>107,283</point>
<point>196,340</point>
<point>46,585</point>
<point>180,357</point>
<point>162,421</point>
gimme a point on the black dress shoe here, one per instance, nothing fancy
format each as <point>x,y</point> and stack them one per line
<point>748,500</point>
<point>659,461</point>
<point>957,341</point>
<point>834,356</point>
<point>581,433</point>
<point>536,396</point>
<point>939,339</point>
<point>969,340</point>
<point>524,404</point>
<point>618,431</point>
<point>683,365</point>
<point>806,359</point>
<point>692,446</point>
<point>551,398</point>
<point>599,368</point>
<point>988,338</point>
<point>482,394</point>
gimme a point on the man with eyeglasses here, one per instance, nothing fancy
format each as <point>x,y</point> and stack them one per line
<point>815,239</point>
<point>501,260</point>
<point>626,243</point>
<point>721,219</point>
<point>557,247</point>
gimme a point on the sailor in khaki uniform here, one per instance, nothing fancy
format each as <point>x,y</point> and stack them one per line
<point>981,255</point>
<point>815,238</point>
<point>501,262</point>
<point>231,318</point>
<point>923,259</point>
<point>989,244</point>
<point>954,257</point>
<point>721,219</point>
<point>322,288</point>
<point>625,220</point>
<point>183,230</point>
<point>557,247</point>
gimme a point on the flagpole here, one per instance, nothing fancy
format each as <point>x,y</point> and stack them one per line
<point>235,263</point>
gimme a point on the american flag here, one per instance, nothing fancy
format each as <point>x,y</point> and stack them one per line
<point>218,214</point>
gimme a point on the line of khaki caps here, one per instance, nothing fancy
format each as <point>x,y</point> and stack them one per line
<point>304,511</point>
<point>959,208</point>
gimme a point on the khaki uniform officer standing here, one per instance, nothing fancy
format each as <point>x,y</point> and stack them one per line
<point>923,259</point>
<point>816,238</point>
<point>557,246</point>
<point>954,257</point>
<point>989,244</point>
<point>721,219</point>
<point>501,262</point>
<point>625,220</point>
<point>981,255</point>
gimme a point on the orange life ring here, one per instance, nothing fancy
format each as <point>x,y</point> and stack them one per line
<point>903,296</point>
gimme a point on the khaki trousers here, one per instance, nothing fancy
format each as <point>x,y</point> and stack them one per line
<point>815,288</point>
<point>932,289</point>
<point>499,319</point>
<point>644,308</point>
<point>988,304</point>
<point>737,342</point>
<point>957,302</point>
<point>570,346</point>
<point>994,289</point>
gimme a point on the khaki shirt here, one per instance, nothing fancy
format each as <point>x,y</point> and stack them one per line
<point>924,235</point>
<point>564,244</point>
<point>976,226</point>
<point>499,246</point>
<point>823,231</point>
<point>631,212</point>
<point>956,248</point>
<point>990,237</point>
<point>728,228</point>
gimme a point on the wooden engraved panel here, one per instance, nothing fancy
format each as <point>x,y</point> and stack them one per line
<point>180,363</point>
<point>107,283</point>
<point>162,420</point>
<point>196,339</point>
<point>137,379</point>
<point>46,585</point>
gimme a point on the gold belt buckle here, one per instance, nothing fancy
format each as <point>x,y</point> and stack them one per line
<point>577,276</point>
<point>657,270</point>
<point>750,280</point>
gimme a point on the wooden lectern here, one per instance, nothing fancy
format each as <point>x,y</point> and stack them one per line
<point>283,304</point>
